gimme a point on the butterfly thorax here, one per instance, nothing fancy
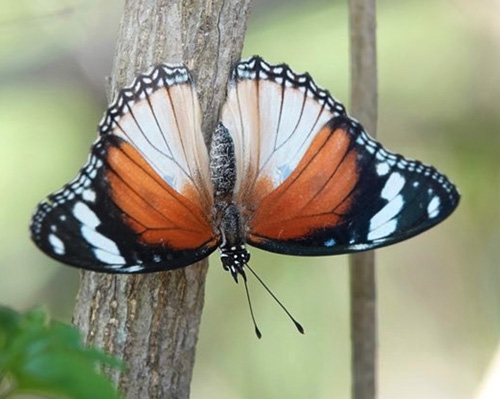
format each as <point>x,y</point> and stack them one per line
<point>227,217</point>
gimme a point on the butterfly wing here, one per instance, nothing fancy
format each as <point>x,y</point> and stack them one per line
<point>143,201</point>
<point>313,182</point>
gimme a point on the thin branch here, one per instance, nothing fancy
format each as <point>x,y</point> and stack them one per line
<point>152,321</point>
<point>362,266</point>
<point>7,388</point>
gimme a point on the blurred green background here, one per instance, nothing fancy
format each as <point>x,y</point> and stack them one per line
<point>439,296</point>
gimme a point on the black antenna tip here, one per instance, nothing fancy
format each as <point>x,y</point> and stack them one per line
<point>257,332</point>
<point>299,327</point>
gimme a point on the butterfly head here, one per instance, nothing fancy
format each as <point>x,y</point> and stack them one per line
<point>234,260</point>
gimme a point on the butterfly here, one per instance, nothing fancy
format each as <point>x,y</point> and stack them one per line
<point>287,171</point>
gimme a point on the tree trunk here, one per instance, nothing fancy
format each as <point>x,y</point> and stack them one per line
<point>362,266</point>
<point>152,321</point>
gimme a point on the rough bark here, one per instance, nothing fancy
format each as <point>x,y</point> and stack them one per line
<point>362,266</point>
<point>152,321</point>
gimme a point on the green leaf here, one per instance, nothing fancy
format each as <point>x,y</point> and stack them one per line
<point>49,358</point>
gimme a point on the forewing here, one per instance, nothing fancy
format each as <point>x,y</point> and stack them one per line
<point>334,190</point>
<point>159,115</point>
<point>273,116</point>
<point>139,204</point>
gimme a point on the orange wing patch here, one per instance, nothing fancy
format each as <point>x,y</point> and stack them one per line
<point>154,210</point>
<point>315,195</point>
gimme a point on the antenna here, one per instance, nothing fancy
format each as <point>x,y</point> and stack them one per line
<point>257,331</point>
<point>297,324</point>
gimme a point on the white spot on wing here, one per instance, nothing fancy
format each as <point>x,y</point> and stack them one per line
<point>393,186</point>
<point>57,244</point>
<point>108,258</point>
<point>433,207</point>
<point>382,169</point>
<point>360,247</point>
<point>89,195</point>
<point>383,231</point>
<point>390,210</point>
<point>135,268</point>
<point>330,242</point>
<point>85,215</point>
<point>98,240</point>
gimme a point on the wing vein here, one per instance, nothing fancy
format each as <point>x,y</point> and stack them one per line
<point>170,194</point>
<point>156,181</point>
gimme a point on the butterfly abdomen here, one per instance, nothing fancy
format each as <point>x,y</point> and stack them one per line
<point>222,164</point>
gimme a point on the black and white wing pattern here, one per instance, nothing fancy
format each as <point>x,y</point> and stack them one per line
<point>310,179</point>
<point>144,199</point>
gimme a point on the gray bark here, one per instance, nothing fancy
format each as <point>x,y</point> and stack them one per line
<point>152,321</point>
<point>362,266</point>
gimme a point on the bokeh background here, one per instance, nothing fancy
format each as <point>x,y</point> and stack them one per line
<point>439,293</point>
